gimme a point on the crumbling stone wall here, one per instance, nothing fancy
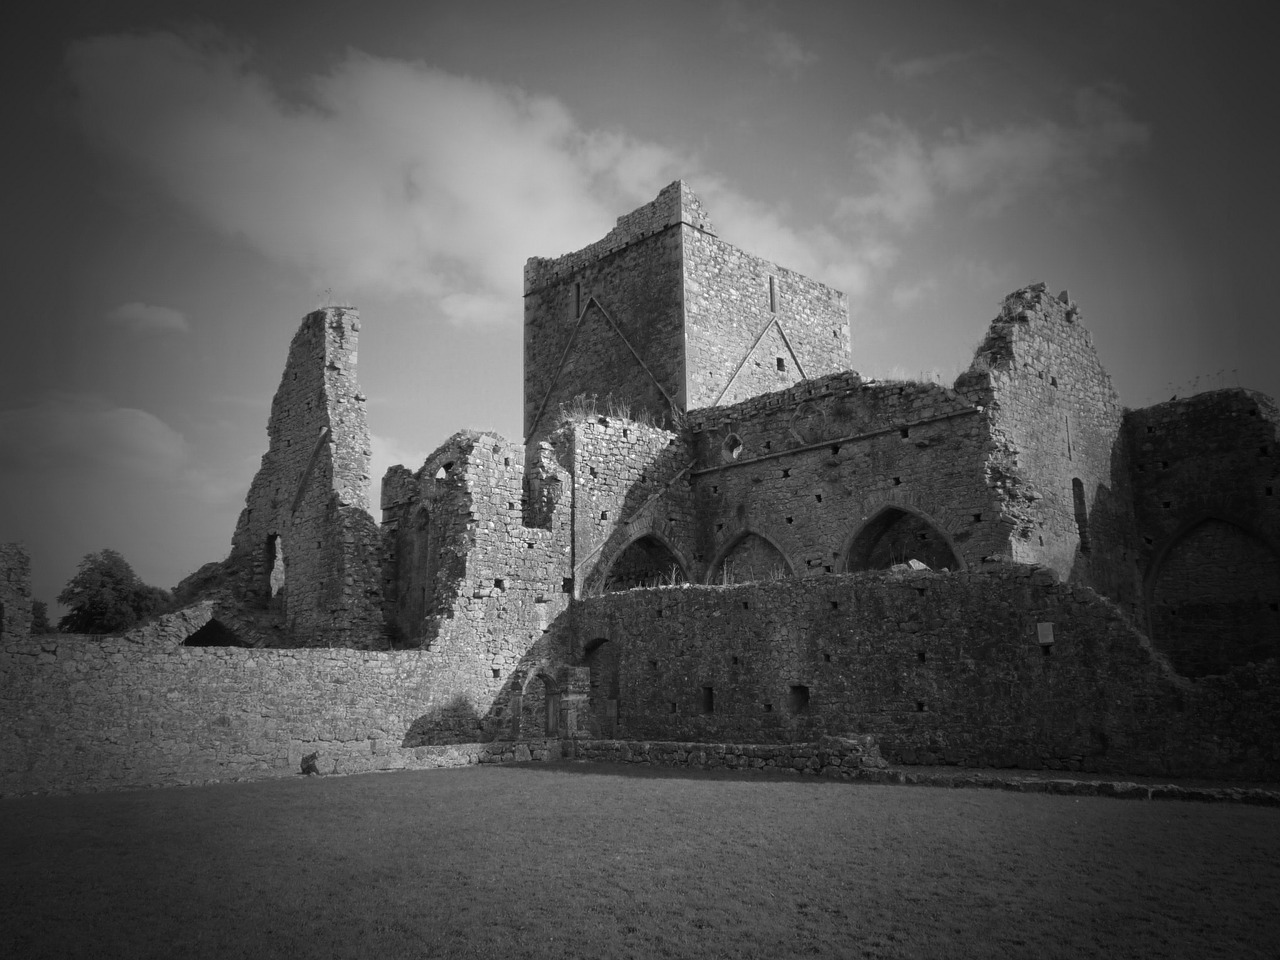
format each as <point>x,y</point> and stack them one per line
<point>305,547</point>
<point>1056,460</point>
<point>477,573</point>
<point>939,667</point>
<point>15,591</point>
<point>1206,494</point>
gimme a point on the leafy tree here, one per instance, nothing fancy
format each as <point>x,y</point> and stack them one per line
<point>40,618</point>
<point>106,596</point>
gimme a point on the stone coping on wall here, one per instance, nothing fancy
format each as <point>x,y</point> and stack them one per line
<point>817,759</point>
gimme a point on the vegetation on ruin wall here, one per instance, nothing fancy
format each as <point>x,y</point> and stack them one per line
<point>603,862</point>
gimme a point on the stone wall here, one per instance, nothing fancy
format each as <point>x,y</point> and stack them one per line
<point>752,327</point>
<point>607,321</point>
<point>15,591</point>
<point>950,668</point>
<point>831,470</point>
<point>478,573</point>
<point>1056,461</point>
<point>1206,487</point>
<point>305,549</point>
<point>80,714</point>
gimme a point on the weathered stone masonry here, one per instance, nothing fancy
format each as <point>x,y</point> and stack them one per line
<point>15,591</point>
<point>703,539</point>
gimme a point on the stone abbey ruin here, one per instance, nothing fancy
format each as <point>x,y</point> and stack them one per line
<point>717,543</point>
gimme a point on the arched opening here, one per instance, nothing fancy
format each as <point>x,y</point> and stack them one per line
<point>752,557</point>
<point>1215,599</point>
<point>414,574</point>
<point>646,562</point>
<point>214,634</point>
<point>540,708</point>
<point>896,536</point>
<point>277,579</point>
<point>602,660</point>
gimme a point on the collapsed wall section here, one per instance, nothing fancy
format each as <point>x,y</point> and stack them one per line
<point>15,591</point>
<point>305,549</point>
<point>842,473</point>
<point>477,573</point>
<point>1057,461</point>
<point>1007,668</point>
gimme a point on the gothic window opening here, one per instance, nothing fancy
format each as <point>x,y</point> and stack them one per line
<point>897,536</point>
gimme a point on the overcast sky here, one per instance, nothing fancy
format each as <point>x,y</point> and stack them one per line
<point>186,181</point>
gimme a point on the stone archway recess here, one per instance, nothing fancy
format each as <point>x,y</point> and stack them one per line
<point>1213,596</point>
<point>750,556</point>
<point>647,560</point>
<point>896,534</point>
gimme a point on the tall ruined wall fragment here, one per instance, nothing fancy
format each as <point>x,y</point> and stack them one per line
<point>1056,457</point>
<point>15,591</point>
<point>305,549</point>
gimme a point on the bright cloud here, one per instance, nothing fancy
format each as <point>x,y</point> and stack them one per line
<point>991,169</point>
<point>917,68</point>
<point>395,177</point>
<point>148,318</point>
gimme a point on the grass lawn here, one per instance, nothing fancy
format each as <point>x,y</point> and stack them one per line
<point>600,861</point>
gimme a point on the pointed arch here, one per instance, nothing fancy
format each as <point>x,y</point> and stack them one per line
<point>646,560</point>
<point>897,533</point>
<point>1213,596</point>
<point>749,555</point>
<point>214,633</point>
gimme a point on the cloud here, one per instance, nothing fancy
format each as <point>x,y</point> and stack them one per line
<point>778,48</point>
<point>384,175</point>
<point>991,168</point>
<point>387,453</point>
<point>916,68</point>
<point>394,177</point>
<point>147,318</point>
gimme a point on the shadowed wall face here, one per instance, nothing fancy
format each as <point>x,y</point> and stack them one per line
<point>1216,600</point>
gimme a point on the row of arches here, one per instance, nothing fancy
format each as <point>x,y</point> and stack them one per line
<point>893,535</point>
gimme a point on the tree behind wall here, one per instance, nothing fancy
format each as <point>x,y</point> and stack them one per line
<point>106,596</point>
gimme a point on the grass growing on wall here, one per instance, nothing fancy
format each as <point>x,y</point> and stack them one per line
<point>603,861</point>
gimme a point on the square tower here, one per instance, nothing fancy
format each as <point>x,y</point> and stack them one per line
<point>663,316</point>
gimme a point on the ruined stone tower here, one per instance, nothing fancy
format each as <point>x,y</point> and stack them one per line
<point>305,547</point>
<point>664,316</point>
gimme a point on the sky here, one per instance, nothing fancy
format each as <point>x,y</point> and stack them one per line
<point>188,180</point>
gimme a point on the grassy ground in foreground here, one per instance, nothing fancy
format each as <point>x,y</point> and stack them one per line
<point>602,861</point>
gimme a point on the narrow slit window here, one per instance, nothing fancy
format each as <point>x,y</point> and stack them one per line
<point>773,296</point>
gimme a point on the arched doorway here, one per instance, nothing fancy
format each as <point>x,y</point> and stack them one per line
<point>540,708</point>
<point>1214,601</point>
<point>646,562</point>
<point>895,536</point>
<point>752,557</point>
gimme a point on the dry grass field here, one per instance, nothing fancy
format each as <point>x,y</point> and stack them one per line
<point>598,861</point>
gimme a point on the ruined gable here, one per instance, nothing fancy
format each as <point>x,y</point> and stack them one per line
<point>305,549</point>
